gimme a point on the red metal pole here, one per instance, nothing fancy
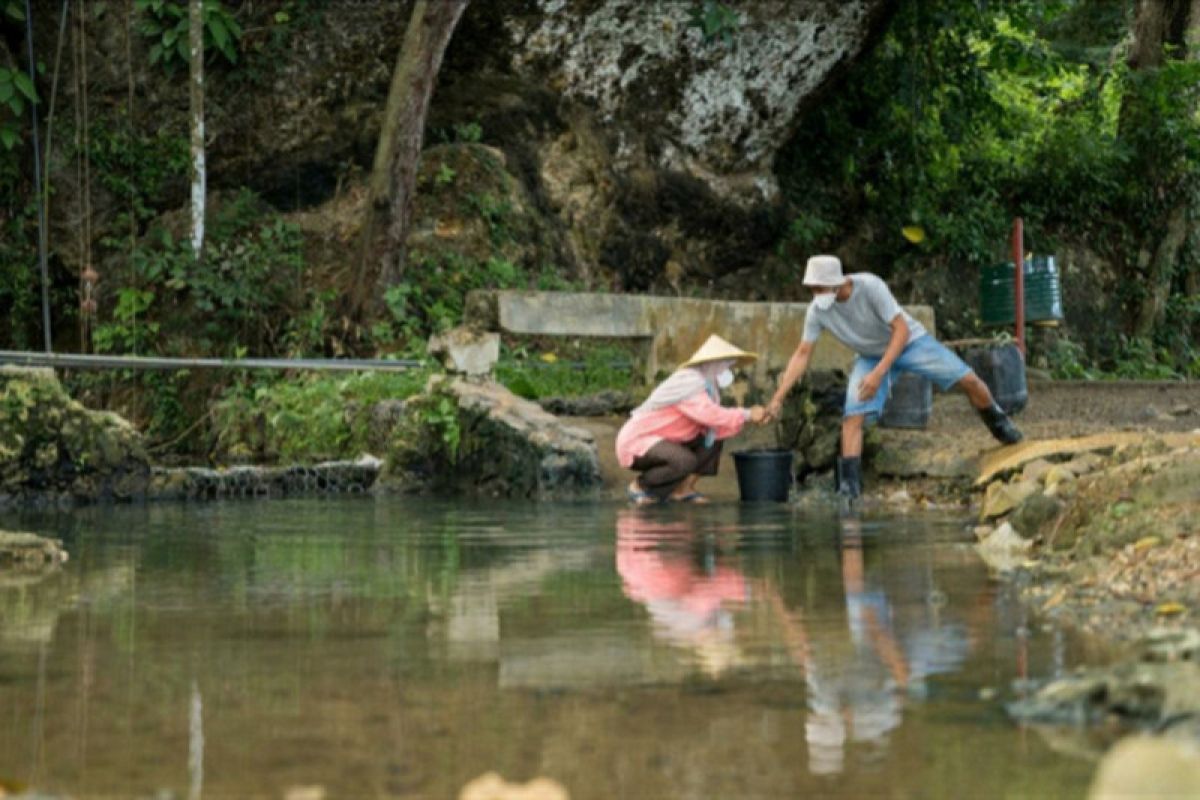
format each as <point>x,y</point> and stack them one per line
<point>1018,251</point>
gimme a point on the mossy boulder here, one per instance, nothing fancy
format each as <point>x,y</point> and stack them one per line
<point>50,445</point>
<point>464,437</point>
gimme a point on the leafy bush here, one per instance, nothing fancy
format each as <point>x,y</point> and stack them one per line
<point>548,375</point>
<point>434,293</point>
<point>229,299</point>
<point>167,25</point>
<point>309,419</point>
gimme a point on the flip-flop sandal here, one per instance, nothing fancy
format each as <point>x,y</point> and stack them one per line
<point>691,497</point>
<point>641,498</point>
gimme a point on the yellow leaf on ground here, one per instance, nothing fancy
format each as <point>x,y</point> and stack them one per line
<point>914,233</point>
<point>1169,609</point>
<point>1058,597</point>
<point>1146,542</point>
<point>549,358</point>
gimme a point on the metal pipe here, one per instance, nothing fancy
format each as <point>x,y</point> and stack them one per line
<point>1018,251</point>
<point>37,184</point>
<point>82,361</point>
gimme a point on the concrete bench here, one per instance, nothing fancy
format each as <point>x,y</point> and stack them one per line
<point>672,327</point>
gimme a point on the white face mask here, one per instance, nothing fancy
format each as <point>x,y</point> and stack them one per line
<point>725,378</point>
<point>825,301</point>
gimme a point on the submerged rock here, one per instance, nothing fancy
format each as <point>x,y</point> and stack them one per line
<point>29,551</point>
<point>1003,549</point>
<point>1146,766</point>
<point>1157,690</point>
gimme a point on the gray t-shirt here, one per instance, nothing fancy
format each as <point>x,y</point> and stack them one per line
<point>862,323</point>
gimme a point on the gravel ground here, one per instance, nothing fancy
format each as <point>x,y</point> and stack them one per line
<point>1076,408</point>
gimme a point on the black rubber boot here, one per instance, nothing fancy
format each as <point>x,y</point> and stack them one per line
<point>849,477</point>
<point>1000,425</point>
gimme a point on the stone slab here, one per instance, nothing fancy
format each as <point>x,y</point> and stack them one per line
<point>1015,456</point>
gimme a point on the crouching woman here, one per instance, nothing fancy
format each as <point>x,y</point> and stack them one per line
<point>675,437</point>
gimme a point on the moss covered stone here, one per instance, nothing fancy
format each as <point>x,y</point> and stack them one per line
<point>51,446</point>
<point>468,437</point>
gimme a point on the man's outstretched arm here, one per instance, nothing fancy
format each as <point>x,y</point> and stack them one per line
<point>797,364</point>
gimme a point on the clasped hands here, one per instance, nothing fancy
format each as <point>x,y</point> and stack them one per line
<point>759,415</point>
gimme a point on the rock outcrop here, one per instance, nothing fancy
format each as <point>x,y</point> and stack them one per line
<point>479,438</point>
<point>52,449</point>
<point>643,135</point>
<point>711,101</point>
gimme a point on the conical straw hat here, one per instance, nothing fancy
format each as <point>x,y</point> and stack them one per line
<point>717,349</point>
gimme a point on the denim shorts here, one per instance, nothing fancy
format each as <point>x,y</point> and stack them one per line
<point>925,356</point>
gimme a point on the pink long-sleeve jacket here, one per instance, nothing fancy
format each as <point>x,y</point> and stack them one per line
<point>679,423</point>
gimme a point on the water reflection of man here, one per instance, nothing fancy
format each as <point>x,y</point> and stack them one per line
<point>857,694</point>
<point>691,601</point>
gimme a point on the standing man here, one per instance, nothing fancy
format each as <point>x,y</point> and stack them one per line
<point>861,312</point>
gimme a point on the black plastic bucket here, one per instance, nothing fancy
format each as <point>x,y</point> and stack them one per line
<point>910,404</point>
<point>764,474</point>
<point>1002,368</point>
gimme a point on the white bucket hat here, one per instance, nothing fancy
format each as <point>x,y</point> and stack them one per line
<point>824,271</point>
<point>717,349</point>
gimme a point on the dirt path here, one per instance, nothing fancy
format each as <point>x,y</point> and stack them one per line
<point>1078,408</point>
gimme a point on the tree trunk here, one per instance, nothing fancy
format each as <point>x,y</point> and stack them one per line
<point>1160,272</point>
<point>1163,30</point>
<point>397,155</point>
<point>196,59</point>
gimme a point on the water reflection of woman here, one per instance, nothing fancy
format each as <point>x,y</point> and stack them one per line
<point>690,604</point>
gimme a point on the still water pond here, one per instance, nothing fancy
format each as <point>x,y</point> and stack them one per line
<point>402,647</point>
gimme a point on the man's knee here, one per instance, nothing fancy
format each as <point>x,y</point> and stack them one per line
<point>970,382</point>
<point>853,423</point>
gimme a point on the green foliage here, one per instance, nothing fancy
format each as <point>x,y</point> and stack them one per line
<point>468,132</point>
<point>20,314</point>
<point>967,114</point>
<point>715,19</point>
<point>166,24</point>
<point>437,416</point>
<point>141,171</point>
<point>496,213</point>
<point>549,375</point>
<point>429,436</point>
<point>314,418</point>
<point>129,331</point>
<point>230,298</point>
<point>16,91</point>
<point>433,296</point>
<point>445,175</point>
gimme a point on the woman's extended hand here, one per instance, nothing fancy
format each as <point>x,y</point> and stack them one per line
<point>758,415</point>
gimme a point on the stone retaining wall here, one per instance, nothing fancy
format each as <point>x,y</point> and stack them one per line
<point>672,327</point>
<point>331,477</point>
